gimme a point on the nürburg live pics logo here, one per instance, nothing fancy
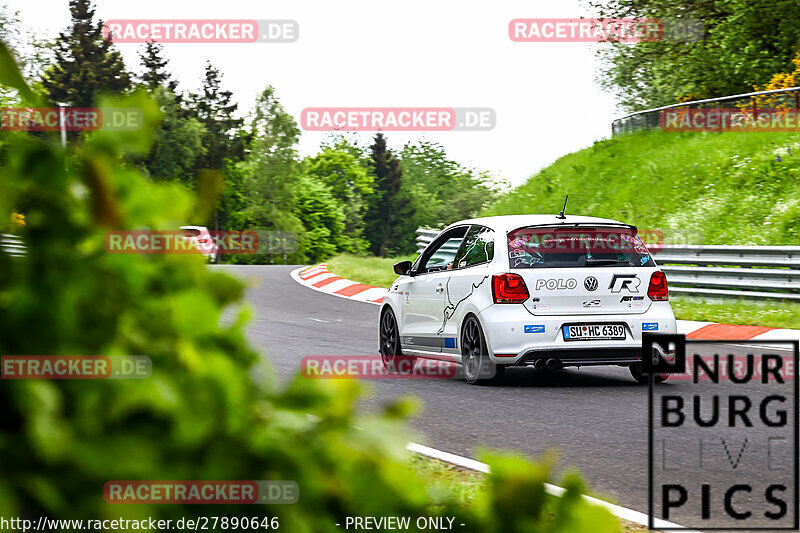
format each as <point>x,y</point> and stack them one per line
<point>723,433</point>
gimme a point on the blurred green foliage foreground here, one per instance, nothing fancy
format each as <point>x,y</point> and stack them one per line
<point>211,410</point>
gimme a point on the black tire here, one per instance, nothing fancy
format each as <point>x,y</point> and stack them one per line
<point>391,353</point>
<point>478,368</point>
<point>641,377</point>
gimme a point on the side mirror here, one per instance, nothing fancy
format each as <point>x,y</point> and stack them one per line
<point>403,268</point>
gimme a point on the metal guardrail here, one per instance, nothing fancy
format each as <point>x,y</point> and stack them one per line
<point>424,238</point>
<point>754,272</point>
<point>12,245</point>
<point>650,118</point>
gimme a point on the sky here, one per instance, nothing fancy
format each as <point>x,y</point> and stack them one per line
<point>414,53</point>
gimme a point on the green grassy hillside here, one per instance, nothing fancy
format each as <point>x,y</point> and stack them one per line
<point>697,188</point>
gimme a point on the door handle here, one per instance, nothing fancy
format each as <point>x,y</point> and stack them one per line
<point>439,288</point>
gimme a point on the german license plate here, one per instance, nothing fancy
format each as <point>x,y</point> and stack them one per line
<point>593,332</point>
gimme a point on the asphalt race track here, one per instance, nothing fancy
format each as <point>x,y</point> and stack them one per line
<point>595,417</point>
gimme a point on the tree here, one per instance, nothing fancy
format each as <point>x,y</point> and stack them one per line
<point>10,33</point>
<point>231,213</point>
<point>388,207</point>
<point>31,52</point>
<point>348,182</point>
<point>177,142</point>
<point>270,169</point>
<point>440,190</point>
<point>271,165</point>
<point>86,64</point>
<point>745,42</point>
<point>323,219</point>
<point>349,142</point>
<point>434,191</point>
<point>155,72</point>
<point>779,80</point>
<point>451,191</point>
<point>215,109</point>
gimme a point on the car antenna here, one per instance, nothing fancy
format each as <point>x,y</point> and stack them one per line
<point>561,215</point>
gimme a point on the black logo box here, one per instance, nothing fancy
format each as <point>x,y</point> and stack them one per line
<point>652,366</point>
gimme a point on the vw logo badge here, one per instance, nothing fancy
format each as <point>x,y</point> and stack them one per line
<point>590,283</point>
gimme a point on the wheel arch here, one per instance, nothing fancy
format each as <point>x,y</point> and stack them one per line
<point>474,313</point>
<point>386,306</point>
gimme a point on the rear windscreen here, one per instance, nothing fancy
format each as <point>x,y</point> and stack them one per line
<point>576,247</point>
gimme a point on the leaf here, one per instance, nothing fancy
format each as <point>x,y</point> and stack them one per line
<point>105,205</point>
<point>10,75</point>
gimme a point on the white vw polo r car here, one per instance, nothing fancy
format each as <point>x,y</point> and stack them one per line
<point>537,290</point>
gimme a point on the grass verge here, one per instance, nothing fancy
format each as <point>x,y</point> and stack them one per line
<point>467,486</point>
<point>734,311</point>
<point>378,271</point>
<point>447,481</point>
<point>375,271</point>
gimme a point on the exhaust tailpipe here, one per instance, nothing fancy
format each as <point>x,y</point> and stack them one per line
<point>553,363</point>
<point>539,363</point>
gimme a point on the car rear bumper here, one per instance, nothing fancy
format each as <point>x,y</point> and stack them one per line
<point>516,337</point>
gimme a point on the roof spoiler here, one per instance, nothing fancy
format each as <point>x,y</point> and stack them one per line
<point>577,224</point>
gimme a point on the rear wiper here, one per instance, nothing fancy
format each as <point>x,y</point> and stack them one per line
<point>599,262</point>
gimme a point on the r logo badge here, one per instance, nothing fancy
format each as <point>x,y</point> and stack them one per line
<point>590,283</point>
<point>630,282</point>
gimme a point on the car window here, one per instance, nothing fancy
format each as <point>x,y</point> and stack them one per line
<point>577,247</point>
<point>477,248</point>
<point>443,253</point>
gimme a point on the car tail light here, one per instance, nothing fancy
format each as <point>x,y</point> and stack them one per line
<point>509,289</point>
<point>202,241</point>
<point>657,291</point>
